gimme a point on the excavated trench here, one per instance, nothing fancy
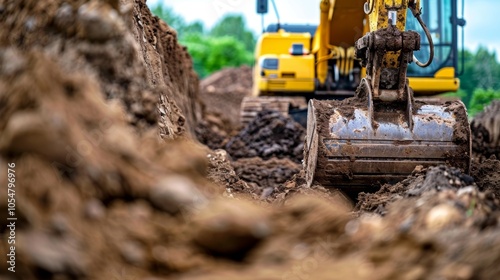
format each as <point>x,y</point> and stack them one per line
<point>102,114</point>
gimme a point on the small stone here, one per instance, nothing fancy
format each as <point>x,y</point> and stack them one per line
<point>176,193</point>
<point>95,210</point>
<point>442,216</point>
<point>229,228</point>
<point>133,253</point>
<point>59,223</point>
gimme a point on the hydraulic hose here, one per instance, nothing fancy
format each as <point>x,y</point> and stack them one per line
<point>367,8</point>
<point>417,13</point>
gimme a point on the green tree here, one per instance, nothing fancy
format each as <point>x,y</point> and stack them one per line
<point>196,27</point>
<point>481,98</point>
<point>214,53</point>
<point>481,71</point>
<point>229,43</point>
<point>170,17</point>
<point>235,26</point>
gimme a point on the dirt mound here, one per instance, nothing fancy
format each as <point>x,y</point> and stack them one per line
<point>85,182</point>
<point>132,55</point>
<point>423,181</point>
<point>487,175</point>
<point>269,135</point>
<point>268,174</point>
<point>486,131</point>
<point>223,91</point>
<point>450,196</point>
<point>84,92</point>
<point>213,130</point>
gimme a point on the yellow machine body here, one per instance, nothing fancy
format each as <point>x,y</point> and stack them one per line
<point>295,73</point>
<point>342,23</point>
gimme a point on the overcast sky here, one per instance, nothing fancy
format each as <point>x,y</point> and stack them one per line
<point>482,16</point>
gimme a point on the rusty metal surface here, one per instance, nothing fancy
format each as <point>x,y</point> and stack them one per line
<point>360,148</point>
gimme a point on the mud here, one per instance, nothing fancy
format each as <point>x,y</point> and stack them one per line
<point>269,135</point>
<point>102,192</point>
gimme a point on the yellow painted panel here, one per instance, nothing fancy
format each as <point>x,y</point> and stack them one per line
<point>447,72</point>
<point>301,66</point>
<point>431,86</point>
<point>286,85</point>
<point>281,42</point>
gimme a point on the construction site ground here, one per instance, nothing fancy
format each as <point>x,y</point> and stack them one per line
<point>129,167</point>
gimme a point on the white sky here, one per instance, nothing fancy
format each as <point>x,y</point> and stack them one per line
<point>481,16</point>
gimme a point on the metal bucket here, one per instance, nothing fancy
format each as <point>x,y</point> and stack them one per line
<point>352,146</point>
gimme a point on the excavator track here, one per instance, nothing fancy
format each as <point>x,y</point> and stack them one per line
<point>355,144</point>
<point>251,106</point>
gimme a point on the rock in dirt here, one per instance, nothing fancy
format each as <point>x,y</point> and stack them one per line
<point>55,255</point>
<point>230,228</point>
<point>175,193</point>
<point>269,135</point>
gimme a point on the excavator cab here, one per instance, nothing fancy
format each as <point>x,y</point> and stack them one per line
<point>334,72</point>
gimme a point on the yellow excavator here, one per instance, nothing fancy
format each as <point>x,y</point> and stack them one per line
<point>355,75</point>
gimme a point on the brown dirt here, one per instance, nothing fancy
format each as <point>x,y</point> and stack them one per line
<point>99,195</point>
<point>486,131</point>
<point>266,175</point>
<point>487,175</point>
<point>223,91</point>
<point>269,135</point>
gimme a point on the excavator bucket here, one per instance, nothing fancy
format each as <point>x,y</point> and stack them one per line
<point>356,144</point>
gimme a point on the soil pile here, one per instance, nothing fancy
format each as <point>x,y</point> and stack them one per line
<point>83,95</point>
<point>266,174</point>
<point>486,148</point>
<point>213,130</point>
<point>486,131</point>
<point>221,95</point>
<point>269,135</point>
<point>133,56</point>
<point>223,91</point>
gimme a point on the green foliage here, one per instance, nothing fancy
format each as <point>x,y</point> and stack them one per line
<point>481,98</point>
<point>229,43</point>
<point>213,53</point>
<point>234,26</point>
<point>481,79</point>
<point>169,16</point>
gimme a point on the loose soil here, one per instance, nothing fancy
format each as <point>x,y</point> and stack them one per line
<point>101,113</point>
<point>269,135</point>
